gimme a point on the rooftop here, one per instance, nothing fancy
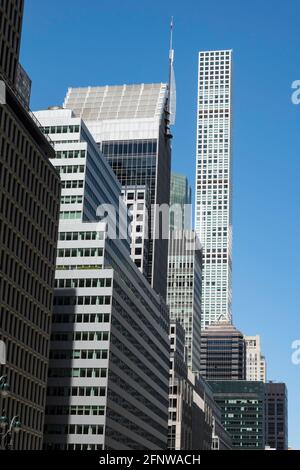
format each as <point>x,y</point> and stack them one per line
<point>118,102</point>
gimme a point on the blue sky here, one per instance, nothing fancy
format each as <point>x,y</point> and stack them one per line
<point>99,42</point>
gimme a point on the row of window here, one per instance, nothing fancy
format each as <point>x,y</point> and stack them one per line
<point>81,318</point>
<point>74,199</point>
<point>70,154</point>
<point>79,252</point>
<point>70,169</point>
<point>73,429</point>
<point>71,283</point>
<point>78,354</point>
<point>80,336</point>
<point>138,147</point>
<point>75,410</point>
<point>72,184</point>
<point>71,267</point>
<point>70,215</point>
<point>82,300</point>
<point>60,129</point>
<point>81,236</point>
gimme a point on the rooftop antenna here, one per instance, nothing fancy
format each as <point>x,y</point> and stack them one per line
<point>171,85</point>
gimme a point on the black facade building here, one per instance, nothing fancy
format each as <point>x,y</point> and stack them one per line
<point>29,205</point>
<point>276,415</point>
<point>242,406</point>
<point>223,352</point>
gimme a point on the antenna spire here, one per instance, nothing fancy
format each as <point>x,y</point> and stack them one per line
<point>171,33</point>
<point>171,85</point>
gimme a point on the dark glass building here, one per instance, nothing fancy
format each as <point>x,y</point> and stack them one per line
<point>242,406</point>
<point>11,13</point>
<point>223,352</point>
<point>276,415</point>
<point>29,205</point>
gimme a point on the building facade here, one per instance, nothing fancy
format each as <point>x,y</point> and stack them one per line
<point>221,439</point>
<point>180,203</point>
<point>213,204</point>
<point>276,415</point>
<point>23,86</point>
<point>263,369</point>
<point>11,15</point>
<point>29,204</point>
<point>130,123</point>
<point>137,201</point>
<point>255,361</point>
<point>242,406</point>
<point>184,290</point>
<point>109,361</point>
<point>190,414</point>
<point>223,352</point>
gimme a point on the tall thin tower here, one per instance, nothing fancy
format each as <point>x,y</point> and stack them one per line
<point>214,182</point>
<point>172,83</point>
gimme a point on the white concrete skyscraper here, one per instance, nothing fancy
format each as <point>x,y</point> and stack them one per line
<point>106,388</point>
<point>214,181</point>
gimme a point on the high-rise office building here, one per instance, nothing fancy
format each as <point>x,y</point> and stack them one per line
<point>11,15</point>
<point>242,412</point>
<point>109,360</point>
<point>181,200</point>
<point>255,361</point>
<point>223,352</point>
<point>214,181</point>
<point>131,123</point>
<point>190,409</point>
<point>276,415</point>
<point>29,205</point>
<point>184,290</point>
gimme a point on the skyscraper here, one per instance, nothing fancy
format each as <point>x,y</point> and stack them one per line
<point>130,123</point>
<point>184,290</point>
<point>223,352</point>
<point>29,205</point>
<point>109,359</point>
<point>242,406</point>
<point>276,415</point>
<point>11,28</point>
<point>191,405</point>
<point>255,361</point>
<point>214,181</point>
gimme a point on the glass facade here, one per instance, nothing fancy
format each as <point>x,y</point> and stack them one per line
<point>131,126</point>
<point>242,412</point>
<point>223,352</point>
<point>181,195</point>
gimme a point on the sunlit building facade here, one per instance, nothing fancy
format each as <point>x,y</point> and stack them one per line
<point>109,357</point>
<point>131,125</point>
<point>213,216</point>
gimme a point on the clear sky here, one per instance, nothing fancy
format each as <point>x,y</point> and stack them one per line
<point>98,42</point>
